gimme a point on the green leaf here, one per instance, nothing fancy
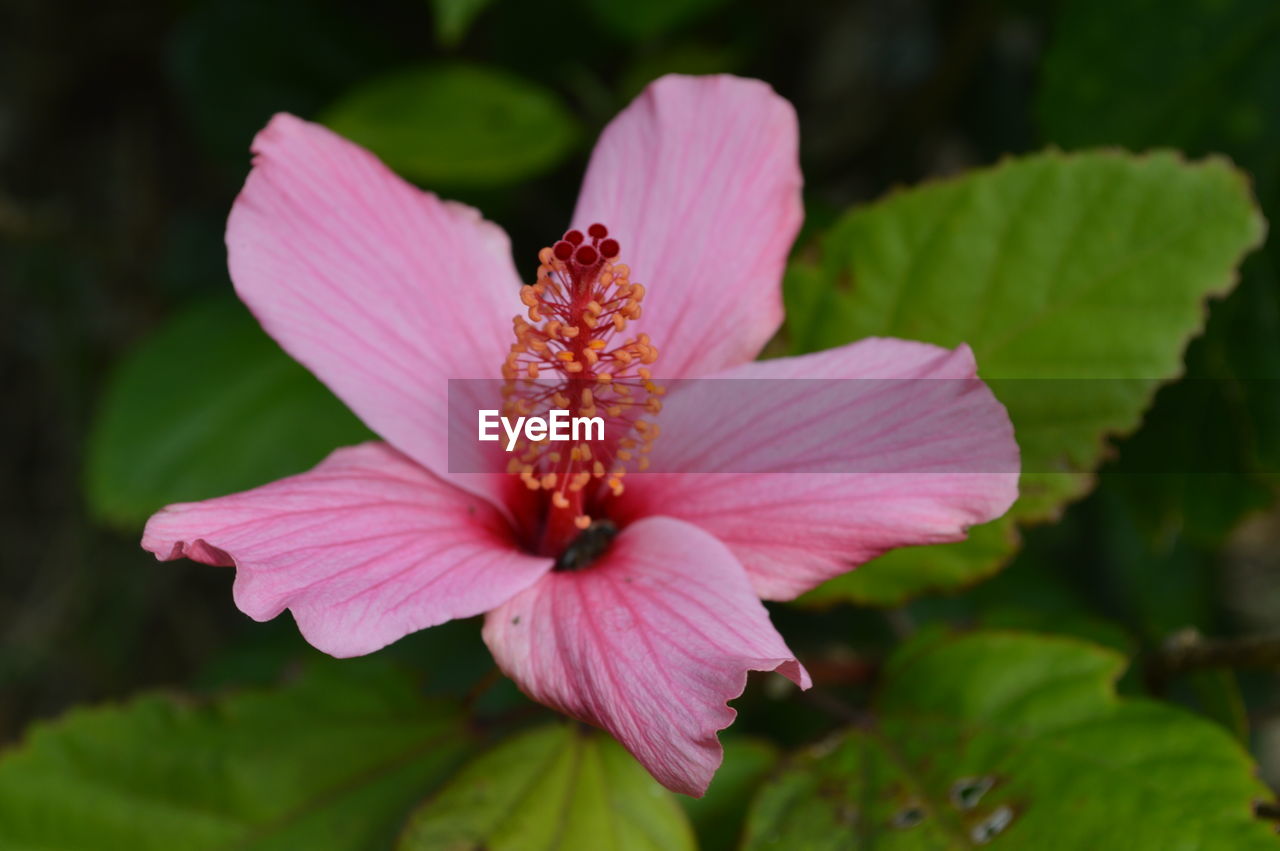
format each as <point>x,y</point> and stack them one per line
<point>557,787</point>
<point>333,761</point>
<point>208,406</point>
<point>717,816</point>
<point>457,125</point>
<point>1201,76</point>
<point>1019,741</point>
<point>1076,279</point>
<point>453,18</point>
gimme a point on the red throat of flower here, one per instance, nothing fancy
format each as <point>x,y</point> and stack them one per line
<point>572,353</point>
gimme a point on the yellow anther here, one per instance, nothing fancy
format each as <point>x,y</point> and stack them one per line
<point>559,501</point>
<point>582,521</point>
<point>596,345</point>
<point>549,481</point>
<point>532,370</point>
<point>587,397</point>
<point>565,356</point>
<point>597,470</point>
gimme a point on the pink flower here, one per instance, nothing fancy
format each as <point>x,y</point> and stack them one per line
<point>647,622</point>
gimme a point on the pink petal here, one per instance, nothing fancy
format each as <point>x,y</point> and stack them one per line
<point>898,462</point>
<point>381,290</point>
<point>648,643</point>
<point>699,179</point>
<point>364,549</point>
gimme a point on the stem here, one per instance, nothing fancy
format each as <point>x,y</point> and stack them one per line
<point>1188,651</point>
<point>837,708</point>
<point>1267,810</point>
<point>1195,651</point>
<point>482,685</point>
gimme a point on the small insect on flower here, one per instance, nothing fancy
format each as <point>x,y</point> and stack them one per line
<point>625,599</point>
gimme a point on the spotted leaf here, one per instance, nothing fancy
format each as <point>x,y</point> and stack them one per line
<point>1014,741</point>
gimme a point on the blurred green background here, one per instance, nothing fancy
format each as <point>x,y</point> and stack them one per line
<point>124,133</point>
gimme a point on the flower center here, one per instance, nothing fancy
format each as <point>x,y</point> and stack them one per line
<point>572,353</point>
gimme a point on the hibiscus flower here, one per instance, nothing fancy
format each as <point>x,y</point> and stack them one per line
<point>633,604</point>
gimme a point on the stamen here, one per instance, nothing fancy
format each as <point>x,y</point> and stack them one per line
<point>569,353</point>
